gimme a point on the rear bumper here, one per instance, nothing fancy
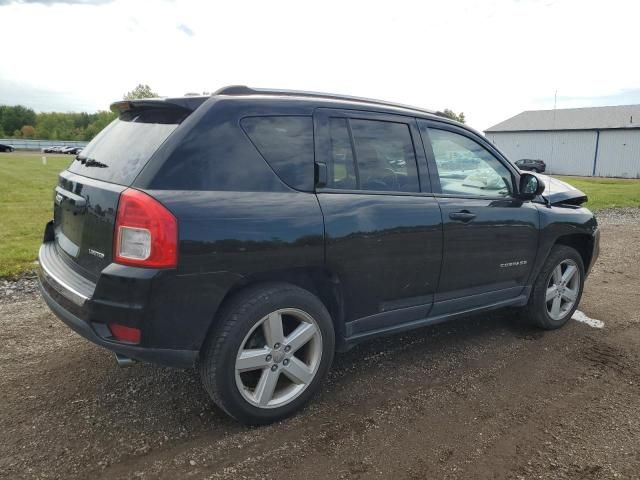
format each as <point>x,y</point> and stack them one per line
<point>160,356</point>
<point>87,308</point>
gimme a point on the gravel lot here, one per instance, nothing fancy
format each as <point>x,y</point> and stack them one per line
<point>484,397</point>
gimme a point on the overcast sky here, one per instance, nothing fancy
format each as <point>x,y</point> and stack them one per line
<point>490,59</point>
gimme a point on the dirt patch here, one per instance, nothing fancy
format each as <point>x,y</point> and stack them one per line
<point>484,397</point>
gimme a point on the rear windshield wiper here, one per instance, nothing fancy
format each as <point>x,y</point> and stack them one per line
<point>90,162</point>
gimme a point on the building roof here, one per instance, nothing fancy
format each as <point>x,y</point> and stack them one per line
<point>592,118</point>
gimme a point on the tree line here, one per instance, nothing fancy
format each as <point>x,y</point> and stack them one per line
<point>17,121</point>
<point>22,122</point>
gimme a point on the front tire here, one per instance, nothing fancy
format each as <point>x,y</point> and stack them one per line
<point>272,346</point>
<point>557,290</point>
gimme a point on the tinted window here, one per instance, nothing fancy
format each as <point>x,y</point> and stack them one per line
<point>121,150</point>
<point>341,169</point>
<point>385,159</point>
<point>286,143</point>
<point>467,168</point>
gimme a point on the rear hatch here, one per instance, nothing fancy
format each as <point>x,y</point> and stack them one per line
<point>87,194</point>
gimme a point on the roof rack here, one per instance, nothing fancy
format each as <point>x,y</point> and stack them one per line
<point>244,90</point>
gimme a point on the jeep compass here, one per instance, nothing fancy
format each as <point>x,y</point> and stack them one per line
<point>253,233</point>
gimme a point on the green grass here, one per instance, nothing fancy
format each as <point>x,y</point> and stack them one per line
<point>26,200</point>
<point>26,203</point>
<point>607,192</point>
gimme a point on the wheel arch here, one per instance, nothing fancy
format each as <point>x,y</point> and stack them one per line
<point>582,243</point>
<point>322,283</point>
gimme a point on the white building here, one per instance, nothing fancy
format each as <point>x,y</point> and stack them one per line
<point>598,141</point>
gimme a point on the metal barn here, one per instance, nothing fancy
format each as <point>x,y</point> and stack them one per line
<point>597,141</point>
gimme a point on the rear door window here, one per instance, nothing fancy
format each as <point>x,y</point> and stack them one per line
<point>343,172</point>
<point>120,151</point>
<point>384,156</point>
<point>286,143</point>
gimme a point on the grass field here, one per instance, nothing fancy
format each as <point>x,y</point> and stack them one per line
<point>26,199</point>
<point>607,192</point>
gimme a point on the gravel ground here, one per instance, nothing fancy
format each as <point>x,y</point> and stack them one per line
<point>484,397</point>
<point>619,216</point>
<point>13,290</point>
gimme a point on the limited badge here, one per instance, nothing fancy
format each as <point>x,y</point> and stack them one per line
<point>96,253</point>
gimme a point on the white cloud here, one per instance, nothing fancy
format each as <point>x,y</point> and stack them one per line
<point>489,59</point>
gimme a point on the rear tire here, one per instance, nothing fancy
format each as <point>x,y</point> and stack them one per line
<point>268,354</point>
<point>557,290</point>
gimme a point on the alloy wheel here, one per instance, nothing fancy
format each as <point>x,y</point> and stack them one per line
<point>563,288</point>
<point>278,358</point>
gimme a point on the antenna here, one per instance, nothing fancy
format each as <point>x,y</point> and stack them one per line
<point>553,125</point>
<point>553,137</point>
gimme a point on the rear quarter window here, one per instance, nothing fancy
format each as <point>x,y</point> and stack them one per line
<point>286,143</point>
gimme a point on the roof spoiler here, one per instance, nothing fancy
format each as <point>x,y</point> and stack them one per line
<point>185,103</point>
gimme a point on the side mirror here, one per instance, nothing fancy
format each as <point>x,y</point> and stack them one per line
<point>530,186</point>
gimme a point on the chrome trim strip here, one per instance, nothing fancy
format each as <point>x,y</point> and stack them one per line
<point>60,286</point>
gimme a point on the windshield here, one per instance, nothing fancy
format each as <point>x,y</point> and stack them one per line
<point>120,151</point>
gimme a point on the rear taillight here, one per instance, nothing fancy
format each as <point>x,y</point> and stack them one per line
<point>146,233</point>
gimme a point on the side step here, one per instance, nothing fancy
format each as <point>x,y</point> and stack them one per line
<point>124,361</point>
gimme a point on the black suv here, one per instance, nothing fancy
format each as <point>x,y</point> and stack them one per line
<point>531,165</point>
<point>255,232</point>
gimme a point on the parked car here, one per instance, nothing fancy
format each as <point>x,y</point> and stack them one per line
<point>537,166</point>
<point>52,149</point>
<point>72,150</point>
<point>6,148</point>
<point>254,233</point>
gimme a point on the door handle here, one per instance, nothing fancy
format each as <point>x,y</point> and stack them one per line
<point>462,216</point>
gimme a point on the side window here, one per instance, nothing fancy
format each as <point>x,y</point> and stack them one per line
<point>384,156</point>
<point>286,143</point>
<point>341,169</point>
<point>467,168</point>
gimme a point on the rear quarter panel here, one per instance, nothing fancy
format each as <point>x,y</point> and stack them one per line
<point>225,237</point>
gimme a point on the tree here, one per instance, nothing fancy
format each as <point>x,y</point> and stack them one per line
<point>458,117</point>
<point>13,118</point>
<point>99,121</point>
<point>56,125</point>
<point>27,131</point>
<point>52,125</point>
<point>141,91</point>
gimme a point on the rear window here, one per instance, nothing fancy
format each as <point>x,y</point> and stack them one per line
<point>122,149</point>
<point>286,143</point>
